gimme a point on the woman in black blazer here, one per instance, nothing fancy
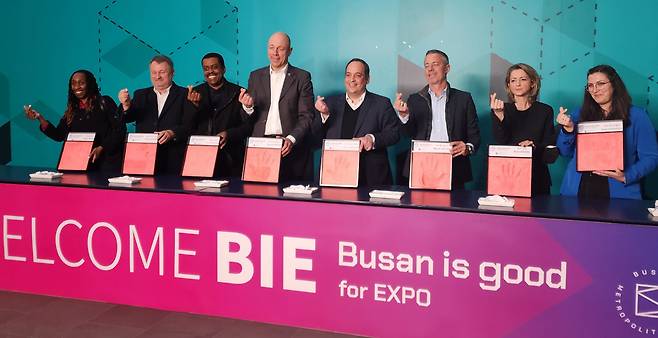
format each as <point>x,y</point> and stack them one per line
<point>525,122</point>
<point>88,111</point>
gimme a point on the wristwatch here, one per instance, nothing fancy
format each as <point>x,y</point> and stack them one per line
<point>469,149</point>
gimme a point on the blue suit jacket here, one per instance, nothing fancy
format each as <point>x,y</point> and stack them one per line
<point>640,156</point>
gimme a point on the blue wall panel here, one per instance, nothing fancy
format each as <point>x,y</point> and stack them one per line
<point>44,41</point>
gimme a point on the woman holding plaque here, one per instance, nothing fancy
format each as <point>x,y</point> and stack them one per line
<point>525,122</point>
<point>88,111</point>
<point>606,98</point>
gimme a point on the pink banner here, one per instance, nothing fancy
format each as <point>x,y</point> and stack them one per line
<point>368,270</point>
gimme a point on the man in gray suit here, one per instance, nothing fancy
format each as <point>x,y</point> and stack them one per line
<point>279,98</point>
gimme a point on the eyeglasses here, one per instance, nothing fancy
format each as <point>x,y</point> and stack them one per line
<point>595,86</point>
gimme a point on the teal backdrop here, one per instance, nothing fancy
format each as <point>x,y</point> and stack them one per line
<point>45,41</point>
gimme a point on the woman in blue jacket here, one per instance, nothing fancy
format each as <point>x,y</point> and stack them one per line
<point>606,98</point>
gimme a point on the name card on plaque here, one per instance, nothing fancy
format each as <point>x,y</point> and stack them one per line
<point>139,158</point>
<point>510,171</point>
<point>75,151</point>
<point>430,165</point>
<point>600,145</point>
<point>201,156</point>
<point>262,160</point>
<point>339,166</point>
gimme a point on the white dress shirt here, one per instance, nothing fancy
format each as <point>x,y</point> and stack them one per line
<point>162,98</point>
<point>273,123</point>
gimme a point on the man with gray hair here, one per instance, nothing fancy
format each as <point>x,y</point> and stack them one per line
<point>441,113</point>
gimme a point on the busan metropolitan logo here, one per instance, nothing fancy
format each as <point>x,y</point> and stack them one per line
<point>636,302</point>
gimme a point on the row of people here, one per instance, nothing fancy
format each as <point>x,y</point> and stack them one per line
<point>278,102</point>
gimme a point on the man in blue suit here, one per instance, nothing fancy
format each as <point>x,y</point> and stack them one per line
<point>360,114</point>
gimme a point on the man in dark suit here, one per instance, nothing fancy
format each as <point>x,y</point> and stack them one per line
<point>439,112</point>
<point>280,99</point>
<point>361,115</point>
<point>162,109</point>
<point>219,113</point>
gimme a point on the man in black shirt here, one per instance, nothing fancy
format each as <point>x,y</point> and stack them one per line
<point>220,113</point>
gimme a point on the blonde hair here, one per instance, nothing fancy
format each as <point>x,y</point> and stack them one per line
<point>534,79</point>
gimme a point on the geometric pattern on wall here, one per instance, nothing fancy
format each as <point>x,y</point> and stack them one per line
<point>411,77</point>
<point>560,38</point>
<point>416,21</point>
<point>32,127</point>
<point>499,68</point>
<point>126,40</point>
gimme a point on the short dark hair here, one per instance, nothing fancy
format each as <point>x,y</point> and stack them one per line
<point>161,59</point>
<point>365,66</point>
<point>443,54</point>
<point>218,56</point>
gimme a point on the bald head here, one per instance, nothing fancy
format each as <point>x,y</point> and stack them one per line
<point>280,37</point>
<point>278,50</point>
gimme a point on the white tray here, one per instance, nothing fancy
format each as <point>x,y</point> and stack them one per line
<point>46,175</point>
<point>210,184</point>
<point>124,180</point>
<point>300,190</point>
<point>496,201</point>
<point>386,194</point>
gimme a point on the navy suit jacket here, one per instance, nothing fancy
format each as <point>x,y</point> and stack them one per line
<point>178,114</point>
<point>376,117</point>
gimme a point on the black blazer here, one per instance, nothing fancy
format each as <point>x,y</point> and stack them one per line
<point>534,124</point>
<point>376,117</point>
<point>108,126</point>
<point>295,103</point>
<point>461,122</point>
<point>178,115</point>
<point>230,118</point>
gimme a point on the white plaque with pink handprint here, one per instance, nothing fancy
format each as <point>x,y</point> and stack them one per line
<point>510,171</point>
<point>600,145</point>
<point>139,157</point>
<point>262,160</point>
<point>431,165</point>
<point>339,166</point>
<point>75,152</point>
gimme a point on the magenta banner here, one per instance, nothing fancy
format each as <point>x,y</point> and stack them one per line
<point>368,270</point>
